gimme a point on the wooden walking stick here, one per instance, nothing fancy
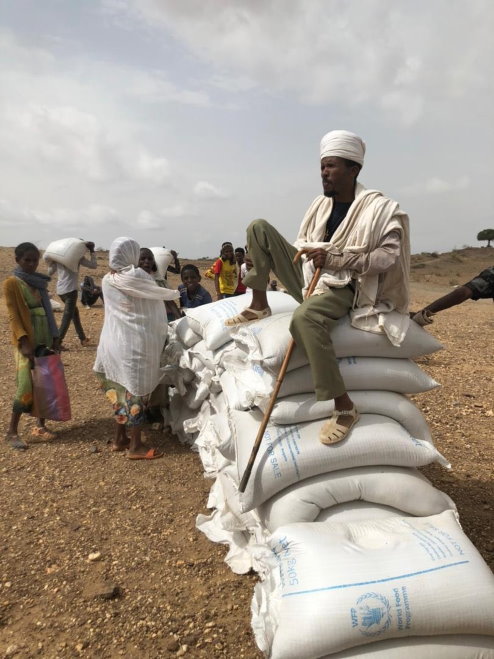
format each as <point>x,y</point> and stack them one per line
<point>276,390</point>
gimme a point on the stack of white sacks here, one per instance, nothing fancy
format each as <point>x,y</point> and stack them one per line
<point>359,554</point>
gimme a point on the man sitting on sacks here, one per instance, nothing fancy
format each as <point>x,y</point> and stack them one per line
<point>360,239</point>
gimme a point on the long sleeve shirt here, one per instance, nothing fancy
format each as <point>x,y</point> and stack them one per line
<point>381,259</point>
<point>68,280</point>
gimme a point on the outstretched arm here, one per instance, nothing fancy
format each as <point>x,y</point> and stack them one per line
<point>457,296</point>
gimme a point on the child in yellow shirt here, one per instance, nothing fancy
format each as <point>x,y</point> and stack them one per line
<point>225,272</point>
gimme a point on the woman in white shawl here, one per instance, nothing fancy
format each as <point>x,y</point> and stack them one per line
<point>132,339</point>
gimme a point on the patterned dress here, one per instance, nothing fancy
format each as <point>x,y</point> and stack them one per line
<point>127,408</point>
<point>23,399</point>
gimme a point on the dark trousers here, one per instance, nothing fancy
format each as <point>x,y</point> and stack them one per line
<point>71,312</point>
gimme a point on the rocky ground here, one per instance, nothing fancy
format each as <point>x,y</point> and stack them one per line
<point>100,555</point>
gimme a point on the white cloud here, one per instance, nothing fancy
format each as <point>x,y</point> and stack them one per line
<point>205,190</point>
<point>150,219</point>
<point>389,53</point>
<point>154,87</point>
<point>435,186</point>
<point>69,138</point>
<point>70,219</point>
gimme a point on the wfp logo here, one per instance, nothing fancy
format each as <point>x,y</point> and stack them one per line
<point>372,614</point>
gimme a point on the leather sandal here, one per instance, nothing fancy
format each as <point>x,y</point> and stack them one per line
<point>42,434</point>
<point>242,319</point>
<point>333,432</point>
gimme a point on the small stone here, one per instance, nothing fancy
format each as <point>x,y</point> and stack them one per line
<point>192,638</point>
<point>94,449</point>
<point>172,645</point>
<point>11,651</point>
<point>94,556</point>
<point>102,590</point>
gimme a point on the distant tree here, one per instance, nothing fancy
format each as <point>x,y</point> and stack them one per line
<point>486,234</point>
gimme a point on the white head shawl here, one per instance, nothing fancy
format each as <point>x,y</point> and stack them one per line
<point>123,252</point>
<point>343,144</point>
<point>130,279</point>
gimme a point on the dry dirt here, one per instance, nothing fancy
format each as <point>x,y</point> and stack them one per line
<point>158,587</point>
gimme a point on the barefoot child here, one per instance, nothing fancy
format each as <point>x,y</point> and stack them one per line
<point>32,325</point>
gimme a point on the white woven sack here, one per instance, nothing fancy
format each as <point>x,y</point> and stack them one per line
<point>184,332</point>
<point>358,511</point>
<point>209,319</point>
<point>452,646</point>
<point>228,525</point>
<point>163,258</point>
<point>255,385</point>
<point>177,414</point>
<point>214,433</point>
<point>237,394</point>
<point>304,407</point>
<point>337,586</point>
<point>206,444</point>
<point>66,251</point>
<point>366,373</point>
<point>212,359</point>
<point>403,488</point>
<point>289,454</point>
<point>266,343</point>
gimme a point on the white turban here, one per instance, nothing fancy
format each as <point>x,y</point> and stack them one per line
<point>343,144</point>
<point>123,252</point>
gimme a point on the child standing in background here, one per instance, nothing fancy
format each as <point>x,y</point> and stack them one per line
<point>32,324</point>
<point>192,294</point>
<point>225,272</point>
<point>239,258</point>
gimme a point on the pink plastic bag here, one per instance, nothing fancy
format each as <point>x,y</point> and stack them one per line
<point>50,393</point>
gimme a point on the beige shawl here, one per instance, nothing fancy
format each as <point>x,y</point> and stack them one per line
<point>381,300</point>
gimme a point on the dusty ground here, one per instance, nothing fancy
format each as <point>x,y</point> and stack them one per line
<point>159,588</point>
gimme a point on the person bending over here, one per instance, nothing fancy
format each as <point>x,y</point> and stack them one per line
<point>90,293</point>
<point>360,239</point>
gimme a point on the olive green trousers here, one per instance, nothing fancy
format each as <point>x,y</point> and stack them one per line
<point>316,316</point>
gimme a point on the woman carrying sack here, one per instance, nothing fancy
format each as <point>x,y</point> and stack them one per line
<point>131,342</point>
<point>32,325</point>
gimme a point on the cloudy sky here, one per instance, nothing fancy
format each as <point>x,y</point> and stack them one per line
<point>179,121</point>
